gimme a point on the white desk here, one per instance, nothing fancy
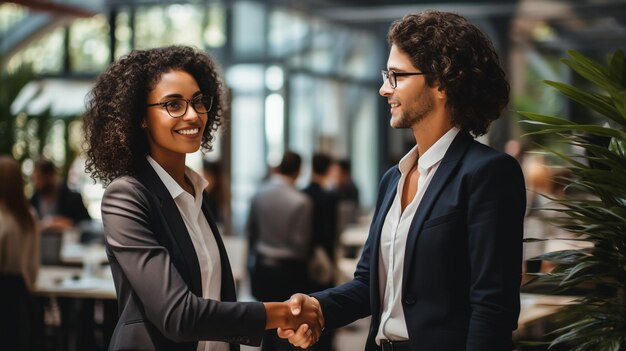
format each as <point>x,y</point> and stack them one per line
<point>354,235</point>
<point>74,252</point>
<point>61,281</point>
<point>64,281</point>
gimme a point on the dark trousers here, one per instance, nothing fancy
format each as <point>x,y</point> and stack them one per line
<point>276,280</point>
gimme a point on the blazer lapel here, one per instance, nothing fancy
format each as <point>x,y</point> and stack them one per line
<point>448,164</point>
<point>178,234</point>
<point>228,292</point>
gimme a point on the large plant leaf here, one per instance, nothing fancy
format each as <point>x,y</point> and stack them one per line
<point>592,71</point>
<point>593,101</point>
<point>616,66</point>
<point>597,211</point>
<point>548,120</point>
<point>565,128</point>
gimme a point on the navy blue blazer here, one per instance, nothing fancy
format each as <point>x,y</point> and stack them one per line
<point>157,274</point>
<point>463,257</point>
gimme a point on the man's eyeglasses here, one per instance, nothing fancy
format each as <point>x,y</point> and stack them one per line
<point>392,76</point>
<point>177,108</point>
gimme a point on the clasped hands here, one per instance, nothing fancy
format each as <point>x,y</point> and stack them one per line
<point>300,320</point>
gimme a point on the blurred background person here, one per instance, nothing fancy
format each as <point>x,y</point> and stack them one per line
<point>19,258</point>
<point>348,195</point>
<point>58,207</point>
<point>212,172</point>
<point>279,233</point>
<point>323,194</point>
<point>19,237</point>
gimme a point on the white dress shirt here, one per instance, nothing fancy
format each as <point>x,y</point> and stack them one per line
<point>394,235</point>
<point>202,237</point>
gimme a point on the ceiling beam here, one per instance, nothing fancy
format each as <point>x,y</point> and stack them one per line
<point>57,8</point>
<point>534,9</point>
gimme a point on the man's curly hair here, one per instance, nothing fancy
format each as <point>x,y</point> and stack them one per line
<point>115,143</point>
<point>461,60</point>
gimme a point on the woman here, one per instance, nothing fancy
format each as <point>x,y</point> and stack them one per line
<point>19,237</point>
<point>172,275</point>
<point>19,262</point>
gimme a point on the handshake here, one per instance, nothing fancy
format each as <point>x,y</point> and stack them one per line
<point>300,320</point>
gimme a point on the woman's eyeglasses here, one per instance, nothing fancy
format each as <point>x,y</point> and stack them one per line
<point>177,108</point>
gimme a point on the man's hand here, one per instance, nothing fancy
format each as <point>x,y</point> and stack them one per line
<point>304,336</point>
<point>56,223</point>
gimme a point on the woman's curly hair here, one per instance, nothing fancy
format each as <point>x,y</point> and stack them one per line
<point>461,60</point>
<point>115,143</point>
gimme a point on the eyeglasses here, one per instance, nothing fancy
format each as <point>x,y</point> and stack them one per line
<point>392,76</point>
<point>177,108</point>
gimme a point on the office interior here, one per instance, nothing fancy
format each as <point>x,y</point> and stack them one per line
<point>302,75</point>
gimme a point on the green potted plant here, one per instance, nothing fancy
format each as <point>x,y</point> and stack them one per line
<point>597,213</point>
<point>11,84</point>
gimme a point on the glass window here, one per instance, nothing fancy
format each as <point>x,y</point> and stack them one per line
<point>274,127</point>
<point>302,114</point>
<point>179,24</point>
<point>215,29</point>
<point>361,60</point>
<point>89,48</point>
<point>248,29</point>
<point>248,145</point>
<point>288,32</point>
<point>327,43</point>
<point>123,33</point>
<point>11,14</point>
<point>365,146</point>
<point>45,55</point>
<point>248,160</point>
<point>244,79</point>
<point>54,148</point>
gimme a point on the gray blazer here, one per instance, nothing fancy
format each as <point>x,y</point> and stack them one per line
<point>279,222</point>
<point>157,275</point>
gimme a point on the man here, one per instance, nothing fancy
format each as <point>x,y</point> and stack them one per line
<point>324,224</point>
<point>212,172</point>
<point>441,267</point>
<point>58,207</point>
<point>324,230</point>
<point>348,194</point>
<point>279,229</point>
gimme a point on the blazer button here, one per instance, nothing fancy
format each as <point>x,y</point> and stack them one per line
<point>409,299</point>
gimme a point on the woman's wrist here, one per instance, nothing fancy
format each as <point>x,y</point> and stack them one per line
<point>277,315</point>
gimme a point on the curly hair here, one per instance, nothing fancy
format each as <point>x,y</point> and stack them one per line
<point>461,60</point>
<point>114,139</point>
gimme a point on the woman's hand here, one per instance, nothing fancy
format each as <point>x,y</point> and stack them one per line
<point>303,336</point>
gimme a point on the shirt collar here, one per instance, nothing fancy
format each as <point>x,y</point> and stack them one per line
<point>431,157</point>
<point>279,179</point>
<point>198,182</point>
